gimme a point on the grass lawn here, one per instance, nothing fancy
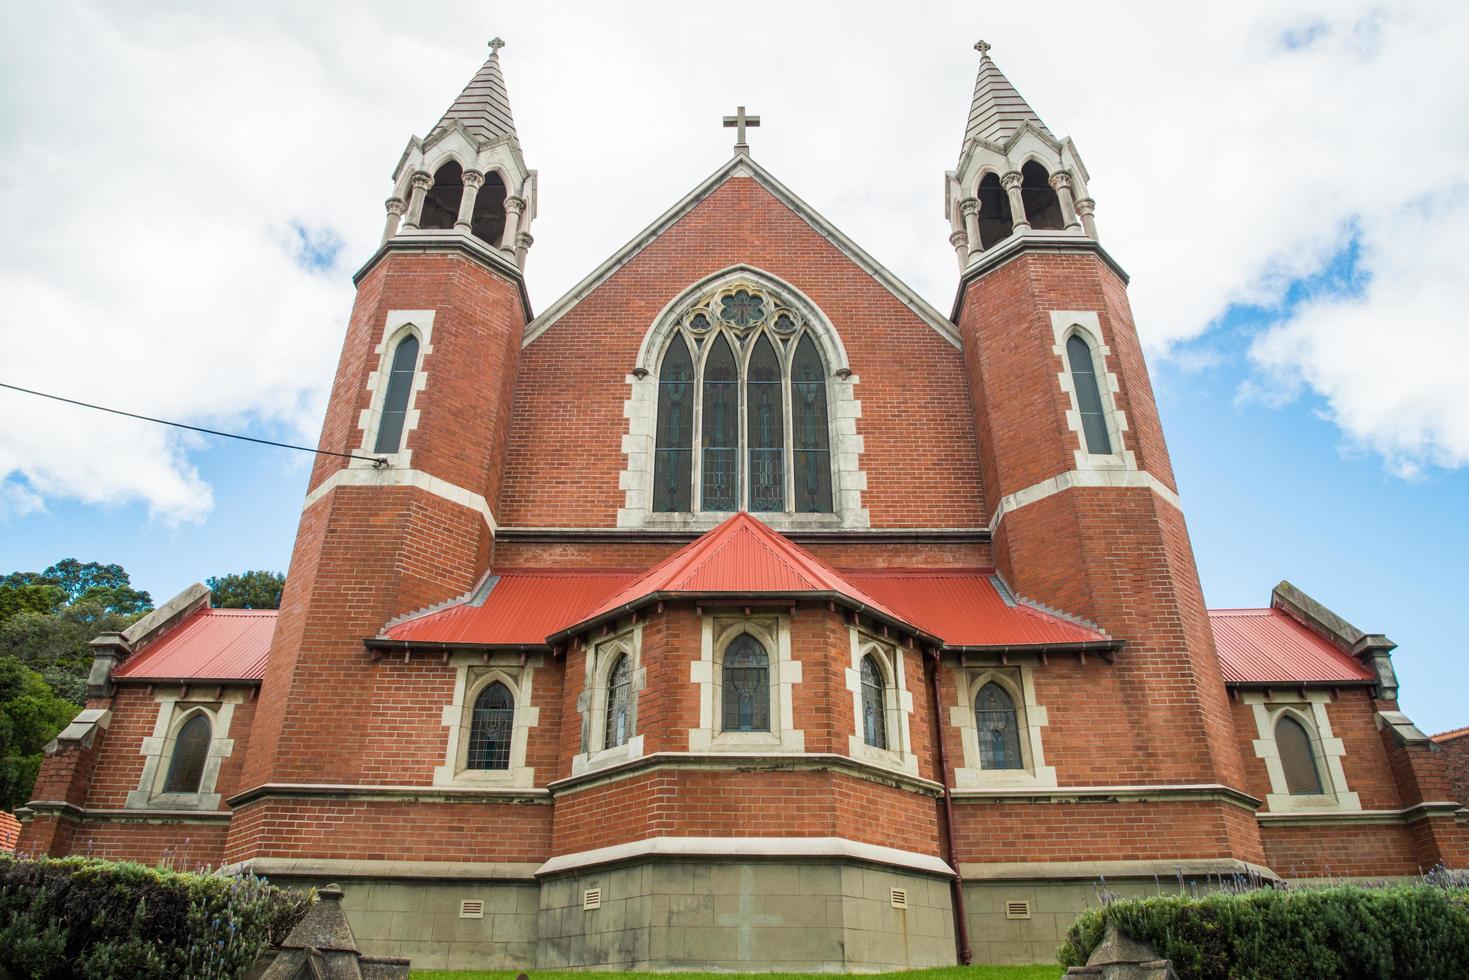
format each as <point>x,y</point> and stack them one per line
<point>1041,972</point>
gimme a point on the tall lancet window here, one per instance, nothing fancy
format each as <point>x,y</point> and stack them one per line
<point>809,436</point>
<point>619,704</point>
<point>1297,759</point>
<point>721,443</point>
<point>674,458</point>
<point>745,374</point>
<point>490,728</point>
<point>190,750</point>
<point>998,728</point>
<point>1088,396</point>
<point>745,690</point>
<point>874,704</point>
<point>766,431</point>
<point>395,401</point>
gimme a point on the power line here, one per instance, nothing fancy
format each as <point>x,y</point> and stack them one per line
<point>376,461</point>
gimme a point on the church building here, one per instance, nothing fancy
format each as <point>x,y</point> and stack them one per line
<point>740,609</point>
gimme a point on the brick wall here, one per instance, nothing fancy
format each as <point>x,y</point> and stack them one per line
<point>1456,764</point>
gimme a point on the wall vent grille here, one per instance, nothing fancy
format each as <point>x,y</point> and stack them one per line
<point>472,908</point>
<point>591,899</point>
<point>1017,909</point>
<point>899,897</point>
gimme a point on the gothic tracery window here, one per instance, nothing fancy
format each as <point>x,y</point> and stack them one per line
<point>745,687</point>
<point>190,750</point>
<point>874,704</point>
<point>619,704</point>
<point>491,723</point>
<point>998,727</point>
<point>744,375</point>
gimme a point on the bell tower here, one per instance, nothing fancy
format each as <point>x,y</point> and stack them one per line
<point>1084,510</point>
<point>422,400</point>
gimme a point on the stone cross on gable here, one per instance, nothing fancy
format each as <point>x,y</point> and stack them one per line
<point>739,121</point>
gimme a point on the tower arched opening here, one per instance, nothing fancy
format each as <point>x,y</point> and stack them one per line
<point>1042,206</point>
<point>441,205</point>
<point>995,220</point>
<point>487,223</point>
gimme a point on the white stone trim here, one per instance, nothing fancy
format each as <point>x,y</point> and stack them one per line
<point>357,477</point>
<point>899,754</point>
<point>848,479</point>
<point>747,847</point>
<point>774,633</point>
<point>1030,716</point>
<point>1083,478</point>
<point>1308,708</point>
<point>471,676</point>
<point>1085,324</point>
<point>174,711</point>
<point>397,325</point>
<point>591,704</point>
<point>742,165</point>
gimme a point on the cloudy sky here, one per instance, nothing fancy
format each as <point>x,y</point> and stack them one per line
<point>188,188</point>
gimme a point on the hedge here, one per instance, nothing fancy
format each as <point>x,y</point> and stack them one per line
<point>1348,931</point>
<point>82,917</point>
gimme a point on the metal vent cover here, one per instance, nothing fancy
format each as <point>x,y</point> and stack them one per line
<point>1017,909</point>
<point>472,908</point>
<point>899,897</point>
<point>591,899</point>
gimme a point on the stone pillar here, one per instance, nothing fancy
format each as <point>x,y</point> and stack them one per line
<point>523,242</point>
<point>473,181</point>
<point>1011,183</point>
<point>513,206</point>
<point>422,181</point>
<point>1084,208</point>
<point>1061,181</point>
<point>960,240</point>
<point>396,206</point>
<point>969,207</point>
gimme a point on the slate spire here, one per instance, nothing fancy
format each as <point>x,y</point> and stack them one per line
<point>997,109</point>
<point>483,108</point>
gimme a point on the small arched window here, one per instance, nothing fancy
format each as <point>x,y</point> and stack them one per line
<point>190,749</point>
<point>395,401</point>
<point>998,728</point>
<point>1088,396</point>
<point>874,704</point>
<point>810,439</point>
<point>1293,742</point>
<point>1042,206</point>
<point>490,726</point>
<point>619,703</point>
<point>721,445</point>
<point>441,203</point>
<point>745,691</point>
<point>766,430</point>
<point>487,223</point>
<point>673,460</point>
<point>995,220</point>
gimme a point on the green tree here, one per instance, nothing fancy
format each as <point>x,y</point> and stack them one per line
<point>55,644</point>
<point>107,585</point>
<point>29,597</point>
<point>247,590</point>
<point>30,716</point>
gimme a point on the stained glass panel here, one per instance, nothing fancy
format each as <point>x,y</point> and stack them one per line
<point>490,726</point>
<point>765,429</point>
<point>998,728</point>
<point>619,695</point>
<point>746,688</point>
<point>874,704</point>
<point>809,432</point>
<point>674,457</point>
<point>721,446</point>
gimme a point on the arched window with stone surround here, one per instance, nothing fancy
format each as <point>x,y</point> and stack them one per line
<point>1042,206</point>
<point>874,704</point>
<point>1297,757</point>
<point>190,750</point>
<point>487,223</point>
<point>673,457</point>
<point>491,724</point>
<point>1088,395</point>
<point>998,727</point>
<point>441,203</point>
<point>742,371</point>
<point>395,399</point>
<point>996,223</point>
<point>619,703</point>
<point>745,686</point>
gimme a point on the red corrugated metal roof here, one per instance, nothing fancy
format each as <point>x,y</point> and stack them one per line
<point>740,556</point>
<point>967,608</point>
<point>522,607</point>
<point>1450,735</point>
<point>1259,646</point>
<point>210,644</point>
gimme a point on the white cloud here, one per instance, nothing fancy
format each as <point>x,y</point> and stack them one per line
<point>162,167</point>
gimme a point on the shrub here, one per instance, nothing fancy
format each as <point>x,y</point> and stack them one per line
<point>80,917</point>
<point>1346,931</point>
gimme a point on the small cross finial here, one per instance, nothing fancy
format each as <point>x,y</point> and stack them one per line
<point>983,47</point>
<point>495,45</point>
<point>739,121</point>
